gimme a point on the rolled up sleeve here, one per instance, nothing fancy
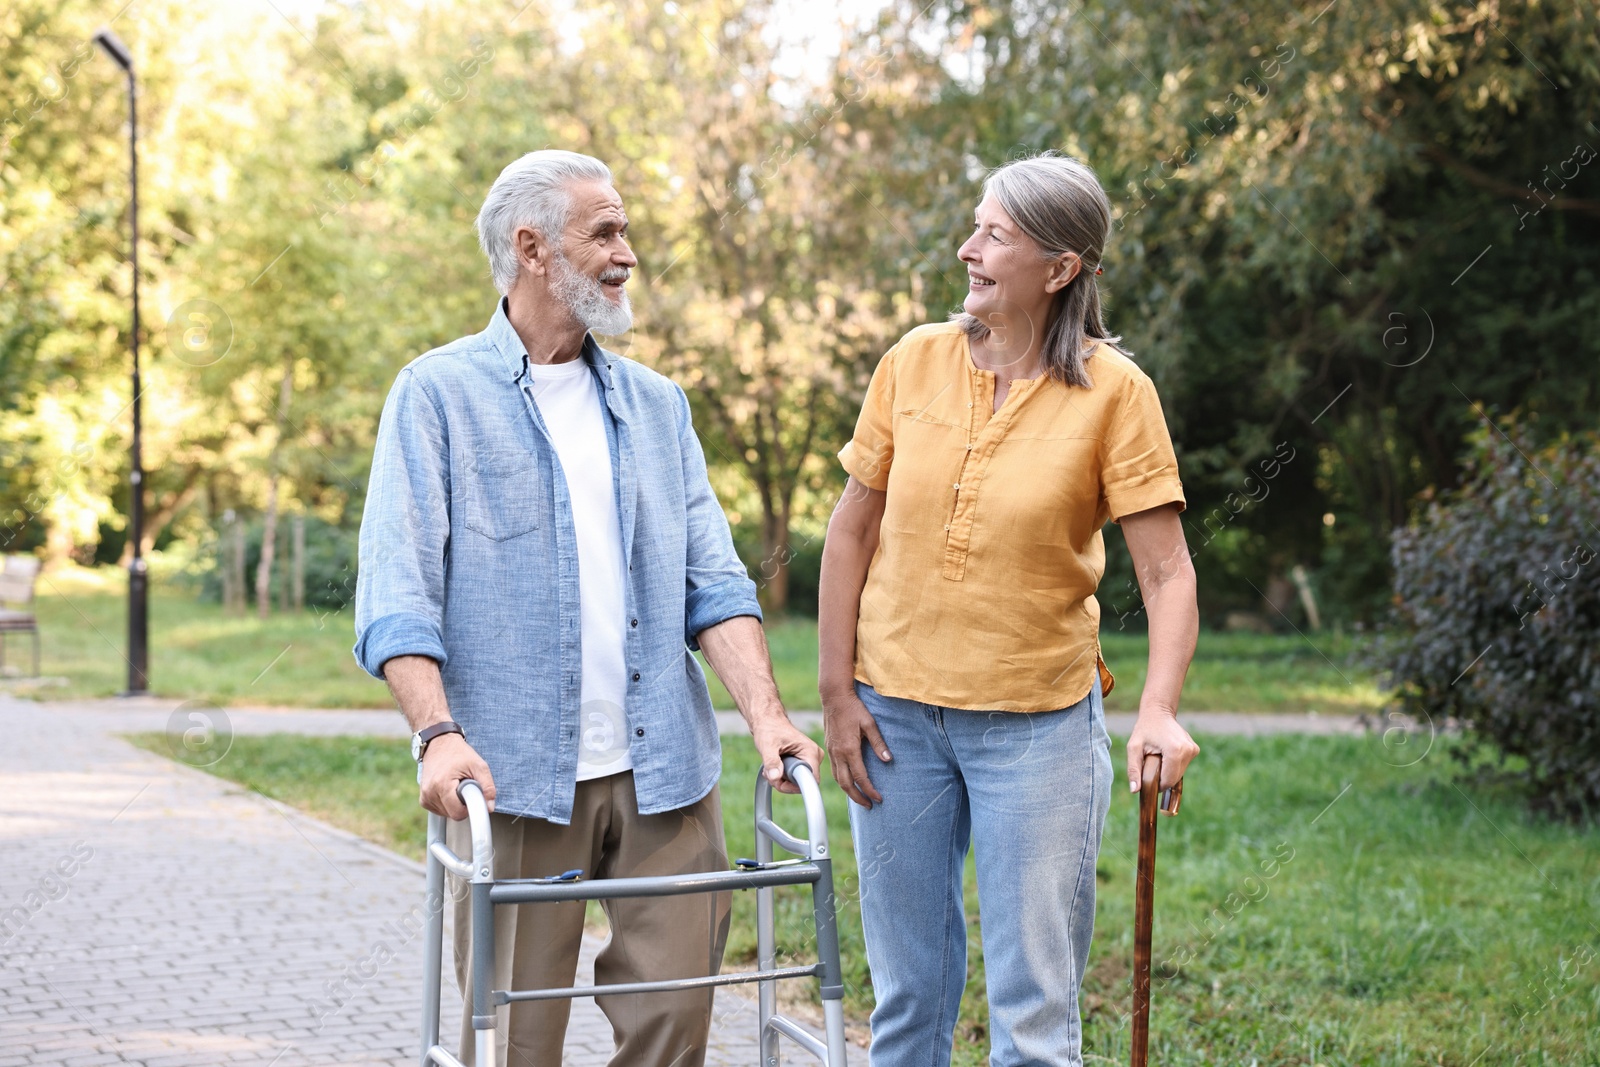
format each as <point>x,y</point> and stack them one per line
<point>718,586</point>
<point>405,529</point>
<point>1140,469</point>
<point>870,451</point>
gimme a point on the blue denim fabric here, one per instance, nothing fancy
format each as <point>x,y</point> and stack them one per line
<point>1031,790</point>
<point>468,555</point>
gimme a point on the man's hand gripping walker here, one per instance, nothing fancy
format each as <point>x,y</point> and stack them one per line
<point>814,868</point>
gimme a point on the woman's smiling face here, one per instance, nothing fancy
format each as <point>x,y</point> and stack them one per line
<point>1004,270</point>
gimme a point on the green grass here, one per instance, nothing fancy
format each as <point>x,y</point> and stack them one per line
<point>1254,672</point>
<point>1316,905</point>
<point>303,658</point>
<point>792,641</point>
<point>299,659</point>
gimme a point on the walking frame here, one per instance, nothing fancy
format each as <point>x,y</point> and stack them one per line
<point>814,867</point>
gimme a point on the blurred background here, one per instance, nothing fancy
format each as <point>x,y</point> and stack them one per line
<point>1355,247</point>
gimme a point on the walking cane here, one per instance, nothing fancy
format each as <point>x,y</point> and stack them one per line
<point>1151,798</point>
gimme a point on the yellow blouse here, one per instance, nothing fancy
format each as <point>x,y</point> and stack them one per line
<point>981,592</point>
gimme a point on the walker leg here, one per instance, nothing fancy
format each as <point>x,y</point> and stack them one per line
<point>833,1027</point>
<point>483,1013</point>
<point>433,944</point>
<point>827,924</point>
<point>766,956</point>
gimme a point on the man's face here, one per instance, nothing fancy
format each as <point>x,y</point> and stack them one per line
<point>596,238</point>
<point>589,270</point>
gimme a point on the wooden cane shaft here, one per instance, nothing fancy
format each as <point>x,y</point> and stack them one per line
<point>1144,899</point>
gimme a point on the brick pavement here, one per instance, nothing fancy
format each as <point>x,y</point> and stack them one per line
<point>152,914</point>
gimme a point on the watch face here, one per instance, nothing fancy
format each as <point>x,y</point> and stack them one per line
<point>416,747</point>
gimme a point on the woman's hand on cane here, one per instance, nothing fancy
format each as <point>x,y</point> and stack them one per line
<point>1159,733</point>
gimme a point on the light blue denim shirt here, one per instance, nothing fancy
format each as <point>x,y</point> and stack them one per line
<point>468,555</point>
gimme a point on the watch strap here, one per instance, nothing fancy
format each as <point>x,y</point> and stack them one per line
<point>438,729</point>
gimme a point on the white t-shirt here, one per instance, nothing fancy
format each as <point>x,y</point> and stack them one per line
<point>570,403</point>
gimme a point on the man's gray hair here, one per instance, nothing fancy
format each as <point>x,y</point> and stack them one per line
<point>531,192</point>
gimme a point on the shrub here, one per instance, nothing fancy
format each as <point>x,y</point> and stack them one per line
<point>330,563</point>
<point>805,568</point>
<point>1497,605</point>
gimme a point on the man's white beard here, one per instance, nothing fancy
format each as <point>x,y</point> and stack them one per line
<point>587,300</point>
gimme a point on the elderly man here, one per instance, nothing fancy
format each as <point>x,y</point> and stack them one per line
<point>540,552</point>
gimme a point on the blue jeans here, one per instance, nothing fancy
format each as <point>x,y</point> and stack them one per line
<point>1032,789</point>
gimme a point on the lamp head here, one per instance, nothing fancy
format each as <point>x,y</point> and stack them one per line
<point>115,49</point>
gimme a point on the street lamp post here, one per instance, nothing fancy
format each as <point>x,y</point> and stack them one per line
<point>138,578</point>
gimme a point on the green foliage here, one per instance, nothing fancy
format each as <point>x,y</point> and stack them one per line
<point>804,568</point>
<point>1335,232</point>
<point>1497,610</point>
<point>330,564</point>
<point>1301,198</point>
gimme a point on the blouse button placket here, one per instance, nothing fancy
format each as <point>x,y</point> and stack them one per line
<point>958,530</point>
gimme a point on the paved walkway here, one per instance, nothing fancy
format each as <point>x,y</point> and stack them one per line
<point>153,914</point>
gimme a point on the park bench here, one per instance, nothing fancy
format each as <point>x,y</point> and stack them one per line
<point>17,579</point>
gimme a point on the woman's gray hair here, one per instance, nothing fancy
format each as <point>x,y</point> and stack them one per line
<point>531,192</point>
<point>1058,202</point>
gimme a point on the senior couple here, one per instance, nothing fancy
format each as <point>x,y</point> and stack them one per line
<point>541,553</point>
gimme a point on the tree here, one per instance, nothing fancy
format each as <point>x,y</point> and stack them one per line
<point>1344,235</point>
<point>63,273</point>
<point>1300,198</point>
<point>758,298</point>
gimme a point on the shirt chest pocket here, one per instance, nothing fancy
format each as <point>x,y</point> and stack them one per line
<point>504,494</point>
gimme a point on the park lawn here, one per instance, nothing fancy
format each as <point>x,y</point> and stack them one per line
<point>289,659</point>
<point>303,659</point>
<point>197,651</point>
<point>1317,904</point>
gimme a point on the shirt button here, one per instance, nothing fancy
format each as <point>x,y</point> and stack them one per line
<point>639,732</point>
<point>636,676</point>
<point>957,485</point>
<point>635,622</point>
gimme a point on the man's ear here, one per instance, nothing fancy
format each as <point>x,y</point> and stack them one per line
<point>1062,271</point>
<point>533,251</point>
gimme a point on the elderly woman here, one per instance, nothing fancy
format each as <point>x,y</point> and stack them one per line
<point>960,662</point>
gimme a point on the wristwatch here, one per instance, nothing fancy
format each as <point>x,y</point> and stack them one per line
<point>420,739</point>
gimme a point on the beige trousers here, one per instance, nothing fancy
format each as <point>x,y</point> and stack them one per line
<point>652,938</point>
